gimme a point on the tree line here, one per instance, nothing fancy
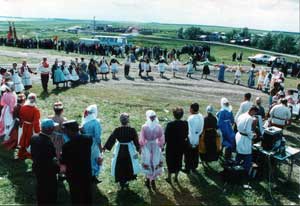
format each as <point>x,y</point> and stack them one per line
<point>272,41</point>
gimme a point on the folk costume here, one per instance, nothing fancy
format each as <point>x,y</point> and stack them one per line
<point>91,128</point>
<point>191,155</point>
<point>30,123</point>
<point>151,141</point>
<point>125,163</point>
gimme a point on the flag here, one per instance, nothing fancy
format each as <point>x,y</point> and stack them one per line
<point>10,33</point>
<point>14,31</point>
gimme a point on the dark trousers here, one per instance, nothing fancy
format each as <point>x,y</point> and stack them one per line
<point>46,188</point>
<point>246,159</point>
<point>191,157</point>
<point>126,70</point>
<point>81,192</point>
<point>45,80</point>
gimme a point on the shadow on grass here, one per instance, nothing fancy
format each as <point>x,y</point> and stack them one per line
<point>184,196</point>
<point>158,198</point>
<point>210,194</point>
<point>128,197</point>
<point>98,197</point>
<point>130,78</point>
<point>23,182</point>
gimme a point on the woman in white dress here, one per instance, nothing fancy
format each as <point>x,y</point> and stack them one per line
<point>19,87</point>
<point>25,72</point>
<point>66,73</point>
<point>114,66</point>
<point>162,66</point>
<point>104,69</point>
<point>175,66</point>
<point>152,140</point>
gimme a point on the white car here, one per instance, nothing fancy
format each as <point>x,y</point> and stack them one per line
<point>261,58</point>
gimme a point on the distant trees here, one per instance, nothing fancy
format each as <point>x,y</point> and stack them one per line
<point>273,41</point>
<point>283,43</point>
<point>191,33</point>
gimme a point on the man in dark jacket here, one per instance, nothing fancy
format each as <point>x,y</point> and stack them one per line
<point>45,165</point>
<point>76,163</point>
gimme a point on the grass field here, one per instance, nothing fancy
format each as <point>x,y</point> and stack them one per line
<point>17,183</point>
<point>137,96</point>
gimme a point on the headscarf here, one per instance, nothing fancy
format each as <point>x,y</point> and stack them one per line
<point>90,113</point>
<point>151,124</point>
<point>58,106</point>
<point>31,99</point>
<point>124,118</point>
<point>225,101</point>
<point>210,109</point>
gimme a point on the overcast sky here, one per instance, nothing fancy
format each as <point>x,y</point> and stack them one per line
<point>258,14</point>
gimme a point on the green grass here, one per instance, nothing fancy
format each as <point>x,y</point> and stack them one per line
<point>206,188</point>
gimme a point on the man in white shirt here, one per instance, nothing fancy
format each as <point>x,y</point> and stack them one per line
<point>280,114</point>
<point>195,123</point>
<point>44,69</point>
<point>244,106</point>
<point>244,138</point>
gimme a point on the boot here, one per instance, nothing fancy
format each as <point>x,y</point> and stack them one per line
<point>153,185</point>
<point>147,183</point>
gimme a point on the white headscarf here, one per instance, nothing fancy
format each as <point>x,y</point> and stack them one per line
<point>90,113</point>
<point>31,99</point>
<point>224,101</point>
<point>149,123</point>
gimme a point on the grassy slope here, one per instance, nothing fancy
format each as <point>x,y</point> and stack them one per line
<point>17,186</point>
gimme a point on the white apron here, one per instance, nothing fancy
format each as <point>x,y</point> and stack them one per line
<point>161,67</point>
<point>114,68</point>
<point>152,156</point>
<point>104,68</point>
<point>26,79</point>
<point>190,69</point>
<point>133,156</point>
<point>19,87</point>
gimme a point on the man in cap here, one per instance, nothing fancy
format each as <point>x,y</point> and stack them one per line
<point>44,165</point>
<point>76,163</point>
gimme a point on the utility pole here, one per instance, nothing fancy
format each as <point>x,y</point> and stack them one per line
<point>94,26</point>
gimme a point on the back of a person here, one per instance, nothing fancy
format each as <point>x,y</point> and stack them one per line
<point>78,158</point>
<point>27,113</point>
<point>179,133</point>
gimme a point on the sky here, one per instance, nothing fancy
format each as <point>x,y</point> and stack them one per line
<point>256,14</point>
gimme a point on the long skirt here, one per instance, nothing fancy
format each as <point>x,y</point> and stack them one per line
<point>95,154</point>
<point>206,70</point>
<point>211,152</point>
<point>6,121</point>
<point>59,76</point>
<point>221,74</point>
<point>103,69</point>
<point>114,68</point>
<point>26,80</point>
<point>152,160</point>
<point>125,163</point>
<point>14,136</point>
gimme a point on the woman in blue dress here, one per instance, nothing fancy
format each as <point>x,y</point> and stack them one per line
<point>251,77</point>
<point>57,74</point>
<point>222,68</point>
<point>225,122</point>
<point>91,128</point>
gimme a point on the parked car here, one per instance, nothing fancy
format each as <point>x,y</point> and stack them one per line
<point>262,58</point>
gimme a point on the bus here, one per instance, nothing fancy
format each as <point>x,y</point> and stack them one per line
<point>112,40</point>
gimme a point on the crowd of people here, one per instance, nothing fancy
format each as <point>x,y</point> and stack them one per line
<point>75,150</point>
